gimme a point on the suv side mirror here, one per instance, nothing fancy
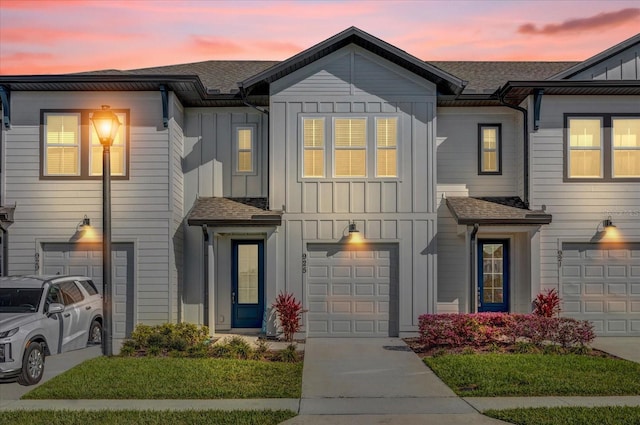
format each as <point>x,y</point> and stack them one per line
<point>55,308</point>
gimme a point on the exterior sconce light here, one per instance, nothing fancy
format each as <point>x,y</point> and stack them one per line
<point>84,225</point>
<point>607,223</point>
<point>354,234</point>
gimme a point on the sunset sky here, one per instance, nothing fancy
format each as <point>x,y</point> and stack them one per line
<point>52,37</point>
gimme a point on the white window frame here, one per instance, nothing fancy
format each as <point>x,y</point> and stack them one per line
<point>304,149</point>
<point>334,148</point>
<point>77,145</point>
<point>236,149</point>
<point>122,117</point>
<point>378,148</point>
<point>570,149</point>
<point>614,148</point>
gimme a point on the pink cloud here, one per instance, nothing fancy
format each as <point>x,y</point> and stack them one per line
<point>601,20</point>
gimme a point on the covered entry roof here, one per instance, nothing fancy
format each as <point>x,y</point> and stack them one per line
<point>218,211</point>
<point>494,210</point>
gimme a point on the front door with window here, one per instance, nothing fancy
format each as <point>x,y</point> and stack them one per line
<point>493,275</point>
<point>248,284</point>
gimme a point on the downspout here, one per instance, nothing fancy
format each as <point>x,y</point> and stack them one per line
<point>525,130</point>
<point>472,268</point>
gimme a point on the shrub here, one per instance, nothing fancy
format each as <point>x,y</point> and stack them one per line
<point>289,354</point>
<point>261,350</point>
<point>289,311</point>
<point>162,339</point>
<point>456,330</point>
<point>547,304</point>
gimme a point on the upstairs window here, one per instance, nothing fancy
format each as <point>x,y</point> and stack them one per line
<point>62,144</point>
<point>350,147</point>
<point>117,151</point>
<point>313,147</point>
<point>602,147</point>
<point>626,147</point>
<point>245,150</point>
<point>70,148</point>
<point>489,149</point>
<point>386,147</point>
<point>585,148</point>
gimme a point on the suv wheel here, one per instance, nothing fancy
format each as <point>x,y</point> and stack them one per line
<point>95,333</point>
<point>32,365</point>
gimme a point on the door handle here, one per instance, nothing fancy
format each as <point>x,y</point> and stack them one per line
<point>67,314</point>
<point>88,307</point>
<point>233,298</point>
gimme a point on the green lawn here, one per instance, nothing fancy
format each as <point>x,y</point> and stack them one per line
<point>495,375</point>
<point>569,416</point>
<point>146,417</point>
<point>173,378</point>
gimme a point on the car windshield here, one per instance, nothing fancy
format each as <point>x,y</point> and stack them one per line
<point>19,300</point>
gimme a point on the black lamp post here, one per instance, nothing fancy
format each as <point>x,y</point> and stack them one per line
<point>106,124</point>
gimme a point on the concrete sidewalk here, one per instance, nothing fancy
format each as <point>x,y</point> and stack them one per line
<point>375,380</point>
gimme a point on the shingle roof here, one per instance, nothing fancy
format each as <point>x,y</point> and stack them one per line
<point>221,76</point>
<point>482,77</point>
<point>494,210</point>
<point>487,77</point>
<point>217,211</point>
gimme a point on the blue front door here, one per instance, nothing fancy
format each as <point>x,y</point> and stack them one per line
<point>248,284</point>
<point>493,275</point>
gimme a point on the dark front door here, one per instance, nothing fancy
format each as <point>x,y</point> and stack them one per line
<point>248,284</point>
<point>493,275</point>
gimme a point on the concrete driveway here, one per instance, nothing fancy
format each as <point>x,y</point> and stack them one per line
<point>625,347</point>
<point>53,366</point>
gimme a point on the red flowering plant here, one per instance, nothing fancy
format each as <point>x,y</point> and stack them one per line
<point>289,311</point>
<point>547,304</point>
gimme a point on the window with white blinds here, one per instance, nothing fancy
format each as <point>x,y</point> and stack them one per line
<point>244,150</point>
<point>70,148</point>
<point>386,147</point>
<point>489,149</point>
<point>350,147</point>
<point>313,147</point>
<point>62,144</point>
<point>117,151</point>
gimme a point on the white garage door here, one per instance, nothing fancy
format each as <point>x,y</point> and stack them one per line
<point>352,292</point>
<point>601,283</point>
<point>86,259</point>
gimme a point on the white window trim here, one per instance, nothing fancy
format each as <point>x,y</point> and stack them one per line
<point>365,148</point>
<point>396,148</point>
<point>304,149</point>
<point>122,117</point>
<point>613,147</point>
<point>585,148</point>
<point>78,145</point>
<point>236,149</point>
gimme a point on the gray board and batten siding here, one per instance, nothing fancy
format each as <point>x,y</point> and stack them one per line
<point>353,82</point>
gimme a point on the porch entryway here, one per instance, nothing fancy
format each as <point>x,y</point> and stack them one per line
<point>493,275</point>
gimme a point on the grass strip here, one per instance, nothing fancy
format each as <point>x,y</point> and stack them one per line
<point>145,417</point>
<point>173,378</point>
<point>495,375</point>
<point>569,415</point>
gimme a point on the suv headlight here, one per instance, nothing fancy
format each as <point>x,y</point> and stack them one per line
<point>9,333</point>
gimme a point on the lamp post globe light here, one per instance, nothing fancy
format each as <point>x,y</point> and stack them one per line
<point>106,125</point>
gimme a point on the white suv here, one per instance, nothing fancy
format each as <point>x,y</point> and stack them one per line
<point>45,315</point>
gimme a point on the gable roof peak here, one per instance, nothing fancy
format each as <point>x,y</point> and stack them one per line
<point>447,83</point>
<point>596,59</point>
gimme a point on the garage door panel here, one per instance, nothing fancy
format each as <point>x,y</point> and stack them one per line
<point>601,283</point>
<point>353,297</point>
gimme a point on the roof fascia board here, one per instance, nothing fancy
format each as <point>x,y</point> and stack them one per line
<point>548,84</point>
<point>594,60</point>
